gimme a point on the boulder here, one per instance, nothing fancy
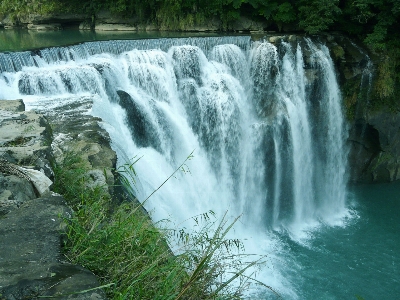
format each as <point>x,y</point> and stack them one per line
<point>276,38</point>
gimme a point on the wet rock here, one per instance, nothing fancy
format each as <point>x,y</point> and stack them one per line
<point>292,38</point>
<point>276,39</point>
<point>14,105</point>
<point>143,131</point>
<point>24,135</point>
<point>77,132</point>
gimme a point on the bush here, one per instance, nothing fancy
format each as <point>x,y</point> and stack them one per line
<point>132,257</point>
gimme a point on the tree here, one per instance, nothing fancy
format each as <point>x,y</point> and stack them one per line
<point>317,15</point>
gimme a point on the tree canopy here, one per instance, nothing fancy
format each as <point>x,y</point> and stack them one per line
<point>375,21</point>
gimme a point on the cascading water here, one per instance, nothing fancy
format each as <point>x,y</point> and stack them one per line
<point>264,120</point>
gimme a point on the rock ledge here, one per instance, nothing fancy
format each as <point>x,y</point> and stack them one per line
<point>31,225</point>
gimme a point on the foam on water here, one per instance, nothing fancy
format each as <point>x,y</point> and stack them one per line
<point>268,141</point>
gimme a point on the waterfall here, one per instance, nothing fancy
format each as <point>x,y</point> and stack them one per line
<point>264,120</point>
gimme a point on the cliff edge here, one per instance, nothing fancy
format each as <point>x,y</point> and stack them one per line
<point>32,220</point>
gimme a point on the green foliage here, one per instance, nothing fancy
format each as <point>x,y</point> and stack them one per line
<point>317,15</point>
<point>285,13</point>
<point>387,83</point>
<point>18,9</point>
<point>131,256</point>
<point>380,19</point>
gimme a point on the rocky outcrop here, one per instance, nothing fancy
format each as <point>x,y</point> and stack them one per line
<point>373,135</point>
<point>25,136</point>
<point>75,131</point>
<point>375,148</point>
<point>31,263</point>
<point>244,24</point>
<point>44,22</point>
<point>43,27</point>
<point>106,21</point>
<point>114,27</point>
<point>32,222</point>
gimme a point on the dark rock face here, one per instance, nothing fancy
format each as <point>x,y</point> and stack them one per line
<point>47,22</point>
<point>31,263</point>
<point>142,130</point>
<point>375,148</point>
<point>374,136</point>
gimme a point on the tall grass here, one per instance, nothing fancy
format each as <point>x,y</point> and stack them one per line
<point>131,255</point>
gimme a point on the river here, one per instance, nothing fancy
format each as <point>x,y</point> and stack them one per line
<point>269,144</point>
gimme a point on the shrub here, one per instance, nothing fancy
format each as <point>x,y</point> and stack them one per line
<point>132,257</point>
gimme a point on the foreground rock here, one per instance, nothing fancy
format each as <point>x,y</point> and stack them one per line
<point>31,263</point>
<point>75,131</point>
<point>24,141</point>
<point>31,222</point>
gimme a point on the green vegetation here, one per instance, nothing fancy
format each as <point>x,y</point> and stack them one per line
<point>376,22</point>
<point>119,243</point>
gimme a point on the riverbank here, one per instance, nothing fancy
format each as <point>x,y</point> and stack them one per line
<point>32,222</point>
<point>49,242</point>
